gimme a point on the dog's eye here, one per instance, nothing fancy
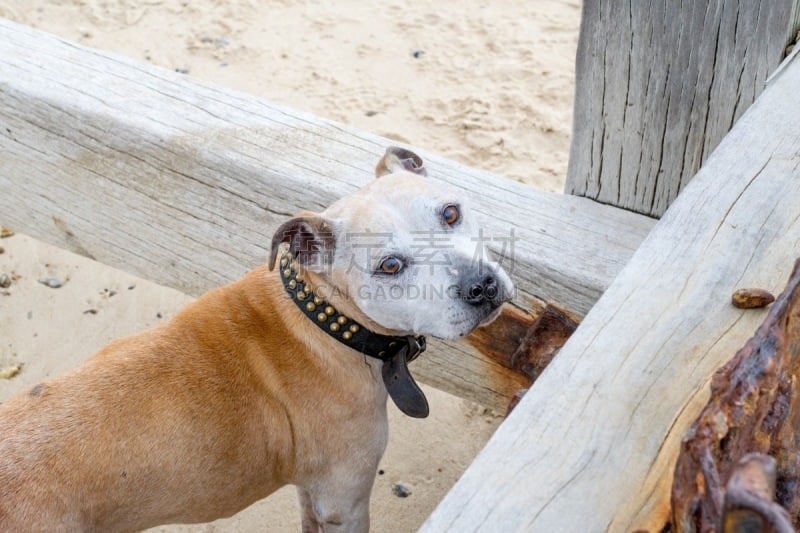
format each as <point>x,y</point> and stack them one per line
<point>451,214</point>
<point>391,265</point>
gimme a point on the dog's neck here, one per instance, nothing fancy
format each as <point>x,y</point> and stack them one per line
<point>335,323</point>
<point>394,351</point>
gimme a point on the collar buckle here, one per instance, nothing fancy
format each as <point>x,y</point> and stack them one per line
<point>416,345</point>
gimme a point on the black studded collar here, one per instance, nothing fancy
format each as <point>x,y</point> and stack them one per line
<point>395,351</point>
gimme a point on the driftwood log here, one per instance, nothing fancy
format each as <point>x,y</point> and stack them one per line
<point>754,407</point>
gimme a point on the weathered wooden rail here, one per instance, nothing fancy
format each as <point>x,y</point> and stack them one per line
<point>183,183</point>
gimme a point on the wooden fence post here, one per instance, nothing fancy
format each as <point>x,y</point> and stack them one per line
<point>659,83</point>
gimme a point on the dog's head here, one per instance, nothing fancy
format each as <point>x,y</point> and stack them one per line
<point>404,251</point>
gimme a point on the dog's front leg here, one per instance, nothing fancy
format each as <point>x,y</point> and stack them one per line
<point>338,503</point>
<point>309,518</point>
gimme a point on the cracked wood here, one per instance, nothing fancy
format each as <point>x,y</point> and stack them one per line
<point>658,84</point>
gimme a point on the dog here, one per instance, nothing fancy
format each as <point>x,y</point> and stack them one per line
<point>279,378</point>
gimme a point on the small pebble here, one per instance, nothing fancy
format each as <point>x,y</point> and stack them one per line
<point>418,53</point>
<point>131,287</point>
<point>5,281</point>
<point>53,283</point>
<point>90,312</point>
<point>182,70</point>
<point>401,491</point>
<point>751,298</point>
<point>5,233</point>
<point>380,472</point>
<point>2,250</point>
<point>159,315</point>
<point>10,371</point>
<point>371,113</point>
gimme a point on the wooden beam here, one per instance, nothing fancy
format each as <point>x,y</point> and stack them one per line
<point>183,183</point>
<point>658,84</point>
<point>593,444</point>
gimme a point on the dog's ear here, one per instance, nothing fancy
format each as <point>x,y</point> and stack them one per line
<point>396,159</point>
<point>311,241</point>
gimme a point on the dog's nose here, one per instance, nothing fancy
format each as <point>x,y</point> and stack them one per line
<point>484,289</point>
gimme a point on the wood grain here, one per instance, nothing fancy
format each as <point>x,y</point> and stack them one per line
<point>592,445</point>
<point>183,183</point>
<point>658,85</point>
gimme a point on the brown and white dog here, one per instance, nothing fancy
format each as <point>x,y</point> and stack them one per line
<point>279,378</point>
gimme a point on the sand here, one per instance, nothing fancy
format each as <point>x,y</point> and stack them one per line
<point>488,84</point>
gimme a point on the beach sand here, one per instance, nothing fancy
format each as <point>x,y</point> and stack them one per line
<point>487,84</point>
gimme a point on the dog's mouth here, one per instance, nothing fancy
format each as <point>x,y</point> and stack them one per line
<point>492,316</point>
<point>464,324</point>
<point>492,305</point>
<point>488,318</point>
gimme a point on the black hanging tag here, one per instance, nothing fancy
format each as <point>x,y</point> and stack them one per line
<point>402,388</point>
